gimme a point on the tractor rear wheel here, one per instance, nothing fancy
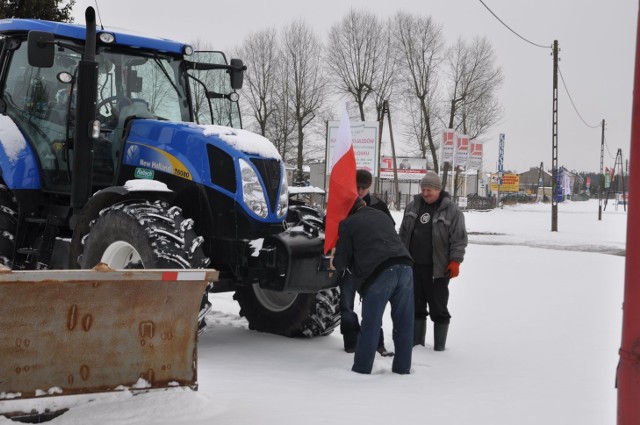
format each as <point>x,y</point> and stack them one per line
<point>287,314</point>
<point>292,314</point>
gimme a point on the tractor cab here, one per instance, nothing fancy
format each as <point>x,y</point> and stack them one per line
<point>40,83</point>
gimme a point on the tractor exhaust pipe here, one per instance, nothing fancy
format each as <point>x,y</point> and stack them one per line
<point>85,116</point>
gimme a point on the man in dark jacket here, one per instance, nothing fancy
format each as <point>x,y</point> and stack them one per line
<point>349,325</point>
<point>433,230</point>
<point>369,245</point>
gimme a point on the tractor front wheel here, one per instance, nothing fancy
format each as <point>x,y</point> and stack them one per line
<point>144,235</point>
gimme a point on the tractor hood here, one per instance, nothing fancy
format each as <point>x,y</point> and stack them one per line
<point>242,165</point>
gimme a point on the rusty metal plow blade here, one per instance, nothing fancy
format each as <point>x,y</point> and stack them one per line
<point>82,331</point>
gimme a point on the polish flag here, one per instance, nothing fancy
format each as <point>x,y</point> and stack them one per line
<point>342,183</point>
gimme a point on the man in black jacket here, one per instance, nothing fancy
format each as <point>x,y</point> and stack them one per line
<point>381,265</point>
<point>349,324</point>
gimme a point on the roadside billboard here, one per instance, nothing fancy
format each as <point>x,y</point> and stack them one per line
<point>408,168</point>
<point>510,183</point>
<point>364,136</point>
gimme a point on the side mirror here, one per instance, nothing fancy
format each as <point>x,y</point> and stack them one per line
<point>41,49</point>
<point>237,73</point>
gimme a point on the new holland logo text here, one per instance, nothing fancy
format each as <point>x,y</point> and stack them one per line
<point>156,165</point>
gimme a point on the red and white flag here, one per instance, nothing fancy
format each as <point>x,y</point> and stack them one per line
<point>342,183</point>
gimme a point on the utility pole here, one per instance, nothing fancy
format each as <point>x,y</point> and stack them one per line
<point>616,181</point>
<point>554,139</point>
<point>393,153</point>
<point>601,189</point>
<point>380,127</point>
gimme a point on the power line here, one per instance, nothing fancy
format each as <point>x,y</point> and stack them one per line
<point>509,28</point>
<point>573,104</point>
<point>606,145</point>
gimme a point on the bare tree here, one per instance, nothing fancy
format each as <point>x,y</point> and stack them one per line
<point>474,79</point>
<point>156,89</point>
<point>260,51</point>
<point>385,83</point>
<point>414,128</point>
<point>283,124</point>
<point>418,44</point>
<point>357,55</point>
<point>302,58</point>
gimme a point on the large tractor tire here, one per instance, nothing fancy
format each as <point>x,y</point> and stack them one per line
<point>144,235</point>
<point>8,226</point>
<point>291,315</point>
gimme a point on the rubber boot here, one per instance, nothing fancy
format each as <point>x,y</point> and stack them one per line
<point>350,341</point>
<point>440,336</point>
<point>419,331</point>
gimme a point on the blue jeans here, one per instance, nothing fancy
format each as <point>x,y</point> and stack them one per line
<point>393,285</point>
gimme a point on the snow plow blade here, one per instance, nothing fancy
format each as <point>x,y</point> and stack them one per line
<point>86,331</point>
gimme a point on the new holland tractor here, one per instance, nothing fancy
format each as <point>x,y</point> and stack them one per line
<point>128,150</point>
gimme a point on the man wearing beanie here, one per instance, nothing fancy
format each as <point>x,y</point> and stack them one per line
<point>349,325</point>
<point>433,230</point>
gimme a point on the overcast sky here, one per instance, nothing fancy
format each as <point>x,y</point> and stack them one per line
<point>596,38</point>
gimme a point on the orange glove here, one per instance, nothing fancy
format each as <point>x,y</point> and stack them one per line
<point>453,269</point>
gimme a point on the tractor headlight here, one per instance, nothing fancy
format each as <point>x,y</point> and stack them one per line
<point>283,197</point>
<point>252,192</point>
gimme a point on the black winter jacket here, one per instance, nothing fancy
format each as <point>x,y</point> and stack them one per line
<point>374,202</point>
<point>368,244</point>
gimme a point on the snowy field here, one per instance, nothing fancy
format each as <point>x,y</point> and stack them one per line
<point>533,340</point>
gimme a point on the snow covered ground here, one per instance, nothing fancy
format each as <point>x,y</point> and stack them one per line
<point>533,340</point>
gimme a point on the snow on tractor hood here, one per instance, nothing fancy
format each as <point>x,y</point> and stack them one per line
<point>242,140</point>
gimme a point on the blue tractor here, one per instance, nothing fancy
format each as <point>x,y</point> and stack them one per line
<point>128,150</point>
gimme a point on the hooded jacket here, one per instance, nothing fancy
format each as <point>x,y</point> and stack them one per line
<point>449,231</point>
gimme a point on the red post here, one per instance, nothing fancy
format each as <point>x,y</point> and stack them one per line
<point>628,378</point>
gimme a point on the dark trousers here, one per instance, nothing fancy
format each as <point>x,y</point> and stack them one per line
<point>349,324</point>
<point>431,295</point>
<point>392,286</point>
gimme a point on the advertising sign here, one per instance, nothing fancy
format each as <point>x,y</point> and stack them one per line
<point>475,156</point>
<point>448,145</point>
<point>364,136</point>
<point>566,185</point>
<point>510,183</point>
<point>408,168</point>
<point>559,180</point>
<point>462,150</point>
